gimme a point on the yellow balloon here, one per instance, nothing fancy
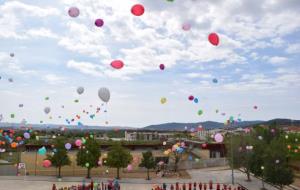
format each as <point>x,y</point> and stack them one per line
<point>163,100</point>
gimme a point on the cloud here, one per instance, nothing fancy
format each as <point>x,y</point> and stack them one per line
<point>86,68</point>
<point>277,60</point>
<point>41,32</point>
<point>293,48</point>
<point>54,79</point>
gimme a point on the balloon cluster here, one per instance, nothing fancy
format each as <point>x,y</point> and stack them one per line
<point>177,148</point>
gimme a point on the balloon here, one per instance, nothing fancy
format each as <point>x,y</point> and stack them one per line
<point>104,94</point>
<point>186,26</point>
<point>137,10</point>
<point>76,101</point>
<point>73,12</point>
<point>190,158</point>
<point>11,54</point>
<point>213,38</point>
<point>191,98</point>
<point>219,138</point>
<point>42,151</point>
<point>129,167</point>
<point>26,135</point>
<point>200,112</point>
<point>196,100</point>
<point>117,64</point>
<point>163,100</point>
<point>255,107</point>
<point>87,165</point>
<point>99,22</point>
<point>47,110</point>
<point>78,142</point>
<point>162,67</point>
<point>14,145</point>
<point>68,146</point>
<point>1,117</point>
<point>47,163</point>
<point>21,105</point>
<point>80,90</point>
<point>12,115</point>
<point>10,80</point>
<point>204,145</point>
<point>164,143</point>
<point>277,161</point>
<point>215,80</point>
<point>46,98</point>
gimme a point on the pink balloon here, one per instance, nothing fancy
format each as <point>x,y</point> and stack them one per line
<point>186,26</point>
<point>73,12</point>
<point>162,67</point>
<point>99,22</point>
<point>137,10</point>
<point>117,64</point>
<point>219,138</point>
<point>47,163</point>
<point>213,38</point>
<point>191,98</point>
<point>78,142</point>
<point>129,167</point>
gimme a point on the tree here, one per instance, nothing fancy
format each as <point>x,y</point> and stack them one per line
<point>88,155</point>
<point>118,157</point>
<point>60,156</point>
<point>277,171</point>
<point>148,162</point>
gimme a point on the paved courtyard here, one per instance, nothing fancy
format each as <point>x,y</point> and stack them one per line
<point>217,175</point>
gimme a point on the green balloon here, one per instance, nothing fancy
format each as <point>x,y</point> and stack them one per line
<point>200,112</point>
<point>12,115</point>
<point>87,165</point>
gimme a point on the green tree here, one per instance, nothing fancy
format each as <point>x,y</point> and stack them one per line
<point>277,171</point>
<point>118,157</point>
<point>60,156</point>
<point>148,162</point>
<point>88,155</point>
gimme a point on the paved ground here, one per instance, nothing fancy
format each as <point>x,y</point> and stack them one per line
<point>218,175</point>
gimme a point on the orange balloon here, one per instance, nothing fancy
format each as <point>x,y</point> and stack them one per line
<point>14,145</point>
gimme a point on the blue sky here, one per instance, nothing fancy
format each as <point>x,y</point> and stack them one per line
<point>256,62</point>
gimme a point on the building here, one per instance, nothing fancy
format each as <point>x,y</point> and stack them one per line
<point>148,135</point>
<point>204,134</point>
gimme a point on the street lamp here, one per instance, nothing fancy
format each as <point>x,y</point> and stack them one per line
<point>262,179</point>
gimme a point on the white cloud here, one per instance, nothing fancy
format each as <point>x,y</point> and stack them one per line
<point>293,48</point>
<point>54,79</point>
<point>41,32</point>
<point>277,60</point>
<point>86,68</point>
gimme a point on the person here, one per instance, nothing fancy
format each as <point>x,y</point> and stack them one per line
<point>183,186</point>
<point>110,185</point>
<point>164,186</point>
<point>210,185</point>
<point>92,185</point>
<point>195,186</point>
<point>205,187</point>
<point>172,187</point>
<point>218,186</point>
<point>54,187</point>
<point>177,186</point>
<point>116,184</point>
<point>190,186</point>
<point>200,186</point>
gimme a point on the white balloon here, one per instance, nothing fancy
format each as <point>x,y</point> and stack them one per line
<point>47,110</point>
<point>80,90</point>
<point>104,94</point>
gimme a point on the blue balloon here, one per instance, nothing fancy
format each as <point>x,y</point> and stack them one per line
<point>196,100</point>
<point>190,158</point>
<point>215,80</point>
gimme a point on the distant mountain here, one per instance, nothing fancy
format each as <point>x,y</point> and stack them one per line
<point>206,125</point>
<point>161,127</point>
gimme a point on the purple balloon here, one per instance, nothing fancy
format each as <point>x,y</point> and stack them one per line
<point>73,12</point>
<point>68,146</point>
<point>26,135</point>
<point>186,26</point>
<point>99,22</point>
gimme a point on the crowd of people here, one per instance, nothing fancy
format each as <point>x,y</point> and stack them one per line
<point>114,185</point>
<point>197,186</point>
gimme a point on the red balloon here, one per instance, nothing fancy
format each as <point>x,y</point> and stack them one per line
<point>191,98</point>
<point>137,10</point>
<point>162,67</point>
<point>117,64</point>
<point>213,38</point>
<point>47,163</point>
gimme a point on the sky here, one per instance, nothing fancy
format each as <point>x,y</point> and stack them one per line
<point>256,62</point>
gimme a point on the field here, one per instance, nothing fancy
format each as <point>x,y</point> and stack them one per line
<point>29,159</point>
